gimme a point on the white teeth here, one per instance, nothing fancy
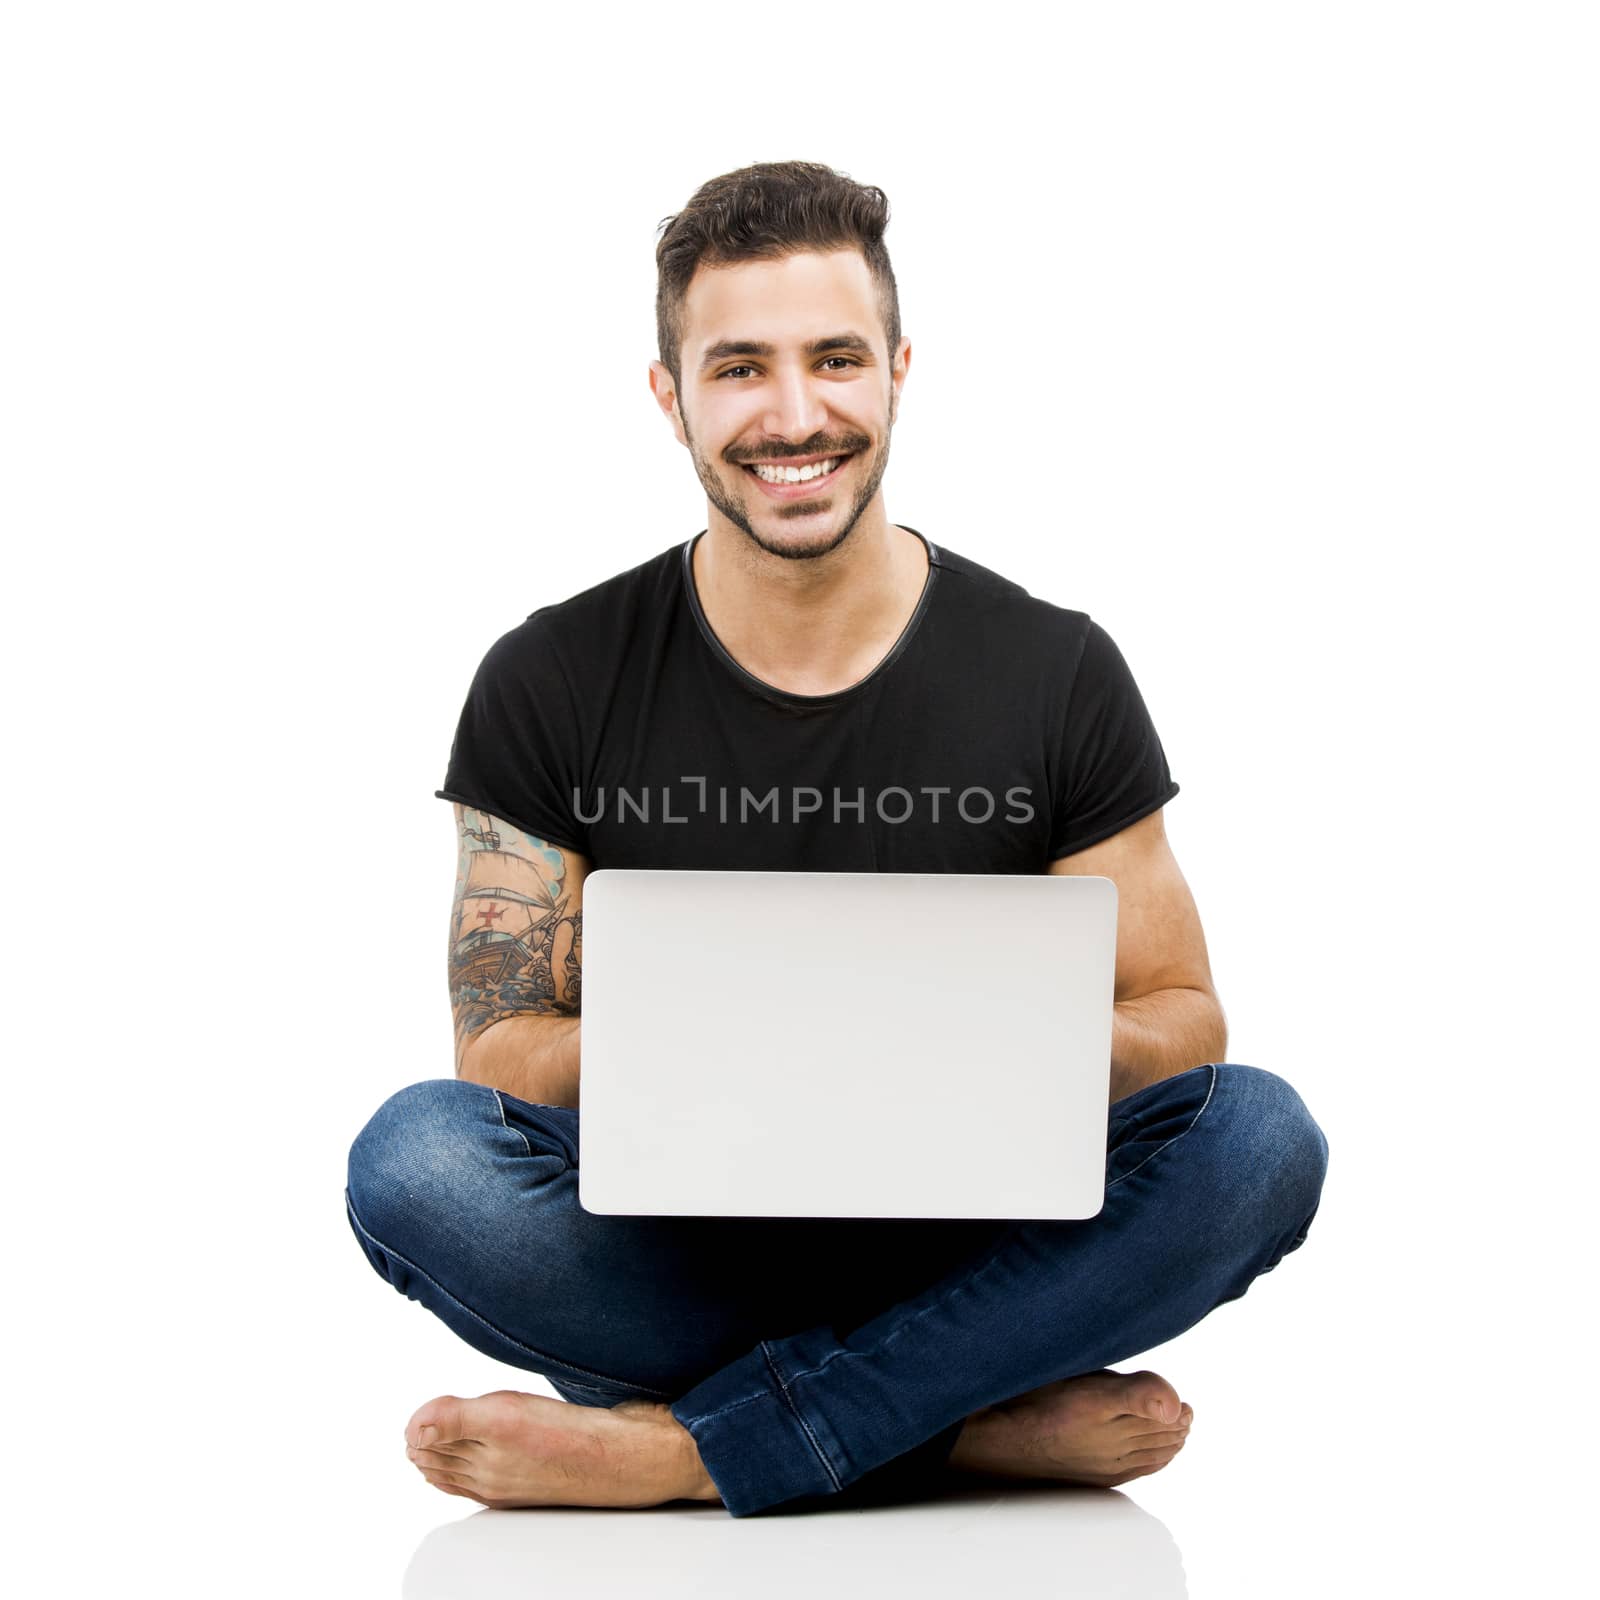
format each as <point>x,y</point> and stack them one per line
<point>775,474</point>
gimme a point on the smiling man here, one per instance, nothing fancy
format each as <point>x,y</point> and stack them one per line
<point>806,686</point>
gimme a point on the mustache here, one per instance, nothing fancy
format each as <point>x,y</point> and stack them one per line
<point>823,447</point>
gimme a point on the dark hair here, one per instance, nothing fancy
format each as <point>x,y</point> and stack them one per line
<point>762,213</point>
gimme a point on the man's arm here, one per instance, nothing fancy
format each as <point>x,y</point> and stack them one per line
<point>1166,1015</point>
<point>516,960</point>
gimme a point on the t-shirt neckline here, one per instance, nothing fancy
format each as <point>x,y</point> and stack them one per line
<point>784,696</point>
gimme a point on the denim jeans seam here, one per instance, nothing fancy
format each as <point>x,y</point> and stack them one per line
<point>788,1400</point>
<point>506,1125</point>
<point>499,1333</point>
<point>965,1283</point>
<point>1211,1089</point>
<point>732,1405</point>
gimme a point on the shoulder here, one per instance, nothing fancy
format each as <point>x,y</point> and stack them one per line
<point>1004,607</point>
<point>645,584</point>
<point>595,621</point>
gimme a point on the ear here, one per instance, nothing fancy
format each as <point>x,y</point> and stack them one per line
<point>897,375</point>
<point>666,393</point>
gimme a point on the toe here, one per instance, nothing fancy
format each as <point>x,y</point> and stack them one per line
<point>1141,1463</point>
<point>1157,1439</point>
<point>452,1485</point>
<point>438,1422</point>
<point>1149,1433</point>
<point>1148,1394</point>
<point>1152,1458</point>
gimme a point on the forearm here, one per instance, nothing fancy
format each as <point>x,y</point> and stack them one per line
<point>532,1057</point>
<point>1159,1035</point>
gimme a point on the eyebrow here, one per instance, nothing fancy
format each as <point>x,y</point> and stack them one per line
<point>724,348</point>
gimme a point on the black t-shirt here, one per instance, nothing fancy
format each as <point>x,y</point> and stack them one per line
<point>998,733</point>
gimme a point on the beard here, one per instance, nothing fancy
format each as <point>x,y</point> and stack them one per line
<point>723,498</point>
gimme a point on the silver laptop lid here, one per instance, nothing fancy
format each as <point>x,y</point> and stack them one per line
<point>845,1044</point>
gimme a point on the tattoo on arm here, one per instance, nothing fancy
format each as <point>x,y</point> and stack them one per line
<point>516,934</point>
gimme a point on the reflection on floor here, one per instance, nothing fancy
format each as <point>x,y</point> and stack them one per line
<point>969,1540</point>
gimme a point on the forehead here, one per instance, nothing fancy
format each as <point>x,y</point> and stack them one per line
<point>791,298</point>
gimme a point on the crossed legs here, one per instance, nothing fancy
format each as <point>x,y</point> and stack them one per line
<point>824,1358</point>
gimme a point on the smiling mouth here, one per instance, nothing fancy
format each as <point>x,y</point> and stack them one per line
<point>788,478</point>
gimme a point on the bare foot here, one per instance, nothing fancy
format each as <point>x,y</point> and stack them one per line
<point>1102,1429</point>
<point>508,1449</point>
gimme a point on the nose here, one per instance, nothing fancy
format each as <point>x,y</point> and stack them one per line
<point>797,409</point>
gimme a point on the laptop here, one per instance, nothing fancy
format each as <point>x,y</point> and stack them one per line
<point>845,1044</point>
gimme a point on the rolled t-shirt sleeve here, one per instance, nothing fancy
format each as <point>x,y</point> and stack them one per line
<point>1113,768</point>
<point>516,752</point>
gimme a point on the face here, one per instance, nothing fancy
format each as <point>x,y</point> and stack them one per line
<point>785,364</point>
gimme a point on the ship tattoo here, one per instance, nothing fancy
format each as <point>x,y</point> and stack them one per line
<point>516,943</point>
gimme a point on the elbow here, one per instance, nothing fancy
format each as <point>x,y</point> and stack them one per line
<point>1206,1026</point>
<point>1218,1040</point>
<point>467,1052</point>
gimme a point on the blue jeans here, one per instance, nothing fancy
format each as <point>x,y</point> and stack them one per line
<point>830,1360</point>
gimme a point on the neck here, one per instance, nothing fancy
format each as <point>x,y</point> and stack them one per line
<point>817,625</point>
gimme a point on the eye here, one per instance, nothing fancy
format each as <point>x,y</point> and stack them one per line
<point>848,361</point>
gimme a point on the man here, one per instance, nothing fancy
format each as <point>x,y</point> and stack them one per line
<point>807,686</point>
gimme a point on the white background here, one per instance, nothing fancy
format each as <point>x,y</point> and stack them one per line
<point>1267,334</point>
